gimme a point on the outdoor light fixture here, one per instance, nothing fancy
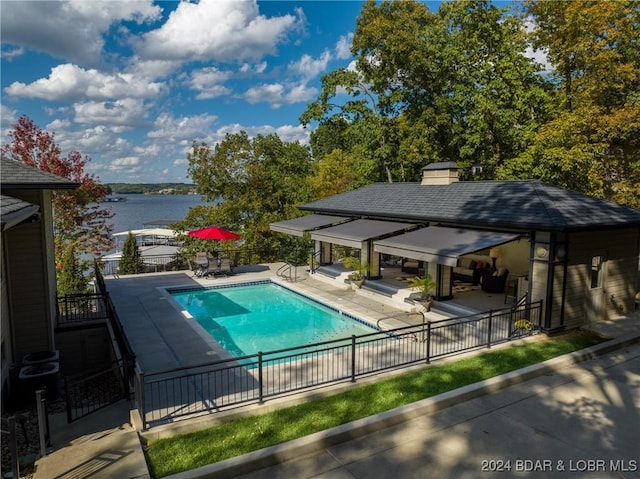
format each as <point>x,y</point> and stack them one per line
<point>542,251</point>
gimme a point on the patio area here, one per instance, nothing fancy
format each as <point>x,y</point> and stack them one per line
<point>157,332</point>
<point>155,328</point>
<point>394,289</point>
<point>184,371</point>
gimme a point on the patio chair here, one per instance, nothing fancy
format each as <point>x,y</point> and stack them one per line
<point>212,268</point>
<point>224,267</point>
<point>200,264</point>
<point>494,282</point>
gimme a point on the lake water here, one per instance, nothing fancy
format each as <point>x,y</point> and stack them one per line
<point>139,209</point>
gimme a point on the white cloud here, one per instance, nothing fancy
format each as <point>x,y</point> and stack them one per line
<point>287,133</point>
<point>343,47</point>
<point>216,30</point>
<point>183,130</point>
<point>308,67</point>
<point>8,118</point>
<point>69,82</point>
<point>72,30</point>
<point>151,69</point>
<point>128,165</point>
<point>130,161</point>
<point>301,93</point>
<point>10,53</point>
<point>208,82</point>
<point>277,94</point>
<point>125,113</point>
<point>270,93</point>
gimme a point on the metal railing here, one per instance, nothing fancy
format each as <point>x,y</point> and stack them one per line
<point>88,393</point>
<point>77,309</point>
<point>163,396</point>
<point>180,261</point>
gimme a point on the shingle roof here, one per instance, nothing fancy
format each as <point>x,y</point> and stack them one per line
<point>519,205</point>
<point>9,204</point>
<point>14,210</point>
<point>16,175</point>
<point>444,165</point>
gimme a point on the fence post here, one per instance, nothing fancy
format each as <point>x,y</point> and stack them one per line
<point>66,308</point>
<point>41,420</point>
<point>489,328</point>
<point>142,400</point>
<point>260,391</point>
<point>353,358</point>
<point>428,342</point>
<point>69,399</point>
<point>13,446</point>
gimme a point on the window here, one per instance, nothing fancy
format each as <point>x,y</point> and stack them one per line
<point>596,272</point>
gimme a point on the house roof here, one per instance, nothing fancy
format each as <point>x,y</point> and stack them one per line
<point>13,211</point>
<point>513,205</point>
<point>16,175</point>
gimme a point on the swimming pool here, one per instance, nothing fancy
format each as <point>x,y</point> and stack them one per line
<point>246,319</point>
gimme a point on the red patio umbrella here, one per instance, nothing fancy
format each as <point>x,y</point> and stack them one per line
<point>214,233</point>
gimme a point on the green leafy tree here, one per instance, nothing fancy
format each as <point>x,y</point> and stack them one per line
<point>452,85</point>
<point>70,278</point>
<point>335,173</point>
<point>131,261</point>
<point>257,180</point>
<point>592,143</point>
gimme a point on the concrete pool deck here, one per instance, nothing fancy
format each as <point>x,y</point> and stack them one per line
<point>156,329</point>
<point>407,441</point>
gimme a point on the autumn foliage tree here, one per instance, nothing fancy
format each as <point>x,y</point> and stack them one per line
<point>80,223</point>
<point>592,144</point>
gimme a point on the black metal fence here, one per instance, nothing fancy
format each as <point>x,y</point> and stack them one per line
<point>79,309</point>
<point>87,393</point>
<point>184,261</point>
<point>164,396</point>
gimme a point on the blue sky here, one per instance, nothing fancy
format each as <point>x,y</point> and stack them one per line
<point>133,83</point>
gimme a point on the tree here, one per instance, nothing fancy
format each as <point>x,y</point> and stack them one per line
<point>131,260</point>
<point>592,143</point>
<point>452,85</point>
<point>80,224</point>
<point>335,173</point>
<point>70,278</point>
<point>257,180</point>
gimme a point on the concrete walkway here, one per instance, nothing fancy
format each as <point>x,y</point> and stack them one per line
<point>579,420</point>
<point>572,409</point>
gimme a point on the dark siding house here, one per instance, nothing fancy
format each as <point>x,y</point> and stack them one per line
<point>28,279</point>
<point>577,253</point>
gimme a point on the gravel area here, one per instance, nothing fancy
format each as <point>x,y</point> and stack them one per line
<point>27,437</point>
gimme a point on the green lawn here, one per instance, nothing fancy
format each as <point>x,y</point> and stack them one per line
<point>177,454</point>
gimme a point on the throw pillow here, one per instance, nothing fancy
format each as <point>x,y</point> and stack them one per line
<point>479,265</point>
<point>473,264</point>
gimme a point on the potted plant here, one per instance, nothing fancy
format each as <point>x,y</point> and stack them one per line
<point>424,286</point>
<point>359,269</point>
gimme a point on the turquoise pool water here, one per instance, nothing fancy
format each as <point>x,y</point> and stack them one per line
<point>247,319</point>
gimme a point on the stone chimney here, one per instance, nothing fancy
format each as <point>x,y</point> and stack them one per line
<point>443,173</point>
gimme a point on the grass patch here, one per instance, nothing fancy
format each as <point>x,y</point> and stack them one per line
<point>183,453</point>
